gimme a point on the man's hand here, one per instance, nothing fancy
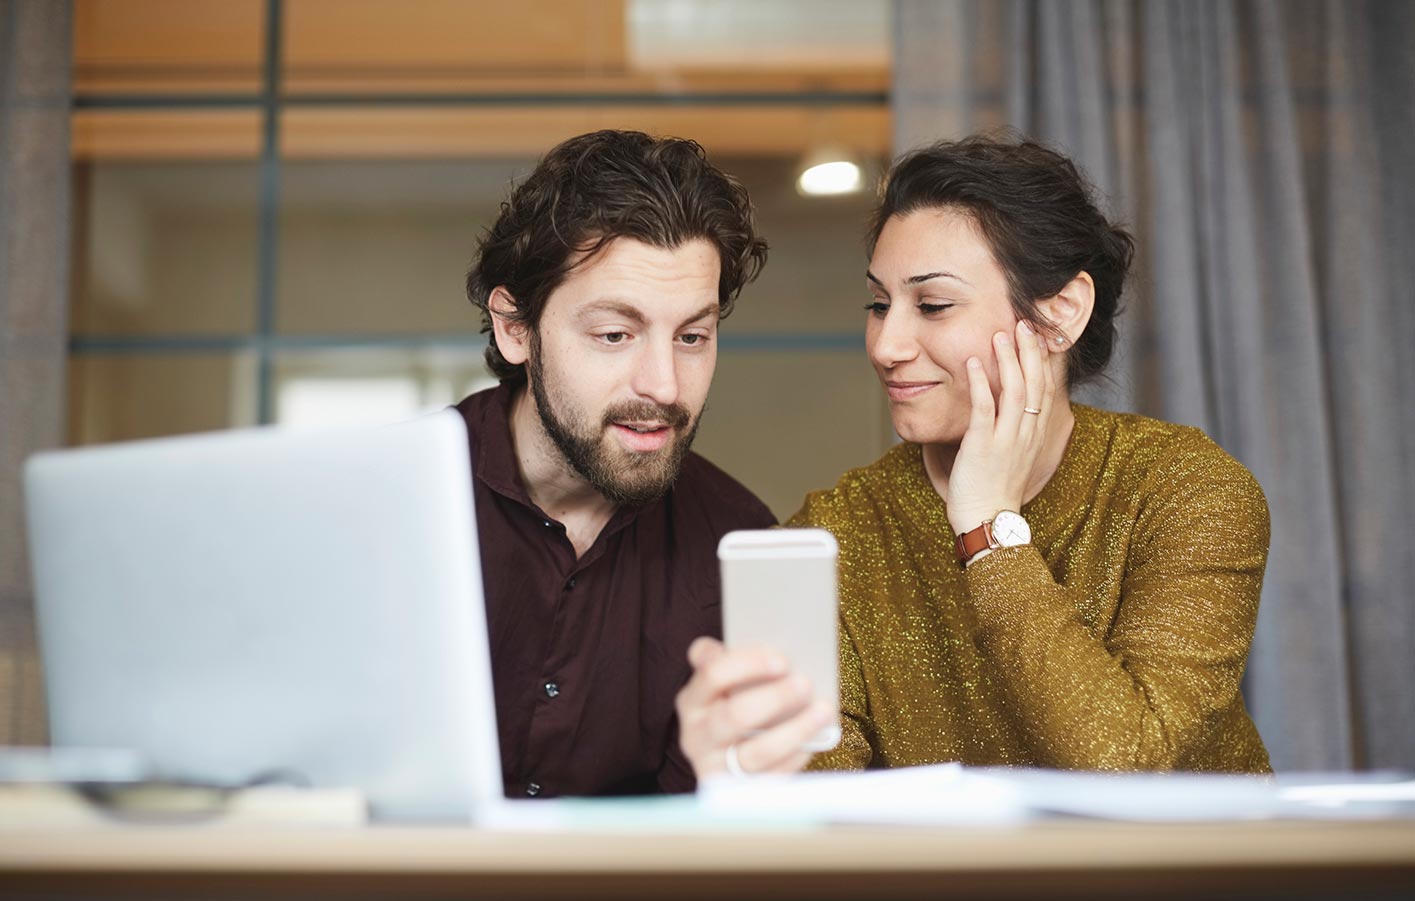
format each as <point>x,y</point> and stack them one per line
<point>735,693</point>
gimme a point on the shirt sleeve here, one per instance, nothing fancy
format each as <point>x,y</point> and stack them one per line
<point>675,775</point>
<point>1146,689</point>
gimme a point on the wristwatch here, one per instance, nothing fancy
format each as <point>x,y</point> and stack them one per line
<point>1006,529</point>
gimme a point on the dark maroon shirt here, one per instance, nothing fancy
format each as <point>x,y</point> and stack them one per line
<point>587,655</point>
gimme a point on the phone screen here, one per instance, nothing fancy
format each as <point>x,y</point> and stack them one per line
<point>779,590</point>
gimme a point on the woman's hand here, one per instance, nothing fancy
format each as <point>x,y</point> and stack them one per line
<point>1004,438</point>
<point>749,699</point>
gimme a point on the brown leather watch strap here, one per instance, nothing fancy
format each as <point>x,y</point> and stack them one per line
<point>973,542</point>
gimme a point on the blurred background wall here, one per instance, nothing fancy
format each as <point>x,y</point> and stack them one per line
<point>273,204</point>
<point>274,224</point>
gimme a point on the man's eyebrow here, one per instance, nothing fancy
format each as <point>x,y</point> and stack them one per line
<point>634,315</point>
<point>700,314</point>
<point>618,308</point>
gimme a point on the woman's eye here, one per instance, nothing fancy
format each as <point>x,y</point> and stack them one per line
<point>928,309</point>
<point>877,307</point>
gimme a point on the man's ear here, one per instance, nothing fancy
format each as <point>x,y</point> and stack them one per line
<point>511,336</point>
<point>1070,308</point>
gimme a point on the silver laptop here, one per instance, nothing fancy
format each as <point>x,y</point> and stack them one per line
<point>234,604</point>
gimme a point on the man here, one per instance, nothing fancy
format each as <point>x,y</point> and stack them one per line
<point>602,283</point>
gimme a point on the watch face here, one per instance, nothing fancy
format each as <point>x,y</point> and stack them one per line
<point>1010,529</point>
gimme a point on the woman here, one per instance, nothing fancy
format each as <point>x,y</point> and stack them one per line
<point>1024,580</point>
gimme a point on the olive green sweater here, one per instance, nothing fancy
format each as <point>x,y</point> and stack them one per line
<point>1116,641</point>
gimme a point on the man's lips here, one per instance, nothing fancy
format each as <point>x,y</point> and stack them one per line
<point>643,437</point>
<point>899,391</point>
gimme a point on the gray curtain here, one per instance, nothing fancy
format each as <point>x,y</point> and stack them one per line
<point>1262,152</point>
<point>34,274</point>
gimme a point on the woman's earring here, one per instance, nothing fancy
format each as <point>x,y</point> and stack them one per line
<point>1060,339</point>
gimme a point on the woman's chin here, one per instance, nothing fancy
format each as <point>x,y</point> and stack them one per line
<point>915,431</point>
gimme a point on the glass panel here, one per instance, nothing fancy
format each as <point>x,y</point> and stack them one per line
<point>787,130</point>
<point>118,397</point>
<point>371,248</point>
<point>785,423</point>
<point>165,248</point>
<point>815,273</point>
<point>382,248</point>
<point>351,386</point>
<point>186,133</point>
<point>168,46</point>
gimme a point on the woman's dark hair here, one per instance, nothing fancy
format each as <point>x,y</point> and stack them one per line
<point>1041,219</point>
<point>600,186</point>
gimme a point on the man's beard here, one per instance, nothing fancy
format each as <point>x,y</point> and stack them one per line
<point>625,478</point>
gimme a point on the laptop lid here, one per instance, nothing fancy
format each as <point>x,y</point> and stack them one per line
<point>241,602</point>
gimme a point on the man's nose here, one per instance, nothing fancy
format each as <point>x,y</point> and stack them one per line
<point>656,377</point>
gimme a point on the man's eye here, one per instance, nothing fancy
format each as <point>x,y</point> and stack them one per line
<point>614,337</point>
<point>877,308</point>
<point>692,340</point>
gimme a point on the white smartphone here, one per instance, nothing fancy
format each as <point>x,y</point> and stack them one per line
<point>779,590</point>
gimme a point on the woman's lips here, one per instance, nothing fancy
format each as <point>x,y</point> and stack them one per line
<point>901,391</point>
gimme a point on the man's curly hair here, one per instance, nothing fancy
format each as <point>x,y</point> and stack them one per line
<point>595,188</point>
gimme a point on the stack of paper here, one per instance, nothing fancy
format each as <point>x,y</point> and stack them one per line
<point>950,794</point>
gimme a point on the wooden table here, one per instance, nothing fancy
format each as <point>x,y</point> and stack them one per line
<point>1057,859</point>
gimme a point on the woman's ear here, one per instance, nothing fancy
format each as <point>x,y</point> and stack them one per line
<point>511,335</point>
<point>1070,308</point>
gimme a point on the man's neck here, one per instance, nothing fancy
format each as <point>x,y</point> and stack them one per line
<point>550,480</point>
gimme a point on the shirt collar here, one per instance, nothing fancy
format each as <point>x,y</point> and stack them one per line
<point>488,416</point>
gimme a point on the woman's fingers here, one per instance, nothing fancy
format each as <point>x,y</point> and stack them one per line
<point>983,417</point>
<point>1029,351</point>
<point>1049,380</point>
<point>1013,394</point>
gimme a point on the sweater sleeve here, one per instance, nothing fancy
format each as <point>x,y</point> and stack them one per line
<point>854,751</point>
<point>1149,689</point>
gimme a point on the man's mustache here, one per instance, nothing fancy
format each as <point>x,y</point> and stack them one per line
<point>675,416</point>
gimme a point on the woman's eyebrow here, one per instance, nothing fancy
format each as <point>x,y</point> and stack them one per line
<point>919,279</point>
<point>928,276</point>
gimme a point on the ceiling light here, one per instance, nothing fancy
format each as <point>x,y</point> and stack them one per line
<point>825,176</point>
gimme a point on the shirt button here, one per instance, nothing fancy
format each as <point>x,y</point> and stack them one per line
<point>532,789</point>
<point>571,583</point>
<point>547,523</point>
<point>551,690</point>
